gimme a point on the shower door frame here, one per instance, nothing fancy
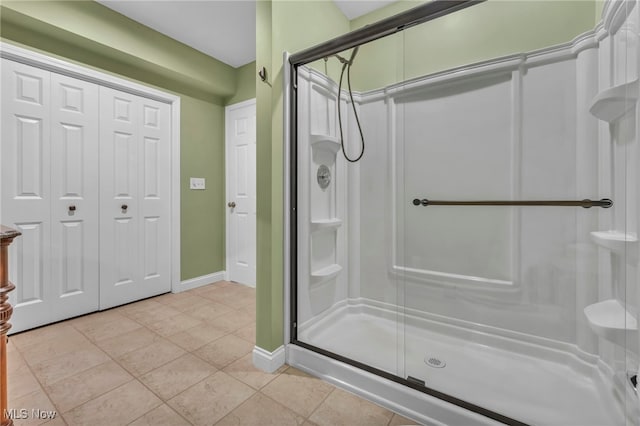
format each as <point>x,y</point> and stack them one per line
<point>392,25</point>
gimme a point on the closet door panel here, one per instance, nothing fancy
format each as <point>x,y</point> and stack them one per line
<point>74,209</point>
<point>155,205</point>
<point>26,190</point>
<point>135,162</point>
<point>119,198</point>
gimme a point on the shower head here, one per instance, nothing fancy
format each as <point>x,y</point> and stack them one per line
<point>343,61</point>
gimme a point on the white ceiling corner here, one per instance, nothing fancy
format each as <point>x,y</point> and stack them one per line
<point>223,29</point>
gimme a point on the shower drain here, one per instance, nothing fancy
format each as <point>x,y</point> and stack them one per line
<point>434,362</point>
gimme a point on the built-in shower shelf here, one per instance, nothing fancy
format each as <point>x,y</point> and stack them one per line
<point>328,143</point>
<point>617,242</point>
<point>325,274</point>
<point>318,225</point>
<point>610,320</point>
<point>611,104</point>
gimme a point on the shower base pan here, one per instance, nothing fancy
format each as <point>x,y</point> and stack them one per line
<point>521,380</point>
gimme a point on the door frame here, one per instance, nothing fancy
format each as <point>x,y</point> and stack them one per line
<point>227,193</point>
<point>59,66</point>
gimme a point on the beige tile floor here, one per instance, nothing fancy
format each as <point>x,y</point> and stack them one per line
<point>175,359</point>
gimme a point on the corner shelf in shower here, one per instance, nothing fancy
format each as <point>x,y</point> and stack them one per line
<point>325,274</point>
<point>318,225</point>
<point>612,103</point>
<point>617,242</point>
<point>610,320</point>
<point>325,142</point>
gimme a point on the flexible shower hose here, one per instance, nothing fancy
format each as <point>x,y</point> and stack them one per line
<point>347,66</point>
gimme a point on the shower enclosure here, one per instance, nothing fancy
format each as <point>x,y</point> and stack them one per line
<point>479,263</point>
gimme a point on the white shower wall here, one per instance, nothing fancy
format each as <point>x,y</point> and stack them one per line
<point>322,267</point>
<point>507,134</point>
<point>517,127</point>
<point>499,131</point>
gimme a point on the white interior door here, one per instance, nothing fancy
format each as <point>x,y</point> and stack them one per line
<point>135,249</point>
<point>240,124</point>
<point>49,166</point>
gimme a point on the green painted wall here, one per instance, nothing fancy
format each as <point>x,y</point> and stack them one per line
<point>92,35</point>
<point>599,4</point>
<point>484,31</point>
<point>97,29</point>
<point>281,26</point>
<point>245,84</point>
<point>267,313</point>
<point>202,213</point>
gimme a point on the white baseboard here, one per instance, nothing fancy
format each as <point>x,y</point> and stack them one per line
<point>200,281</point>
<point>268,361</point>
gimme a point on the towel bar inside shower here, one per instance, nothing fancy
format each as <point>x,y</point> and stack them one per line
<point>604,203</point>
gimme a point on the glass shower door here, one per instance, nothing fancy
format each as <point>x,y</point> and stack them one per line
<point>526,312</point>
<point>484,248</point>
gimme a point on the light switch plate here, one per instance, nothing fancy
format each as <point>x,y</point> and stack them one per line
<point>196,183</point>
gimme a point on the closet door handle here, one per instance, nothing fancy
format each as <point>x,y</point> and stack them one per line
<point>231,204</point>
<point>124,207</point>
<point>72,209</point>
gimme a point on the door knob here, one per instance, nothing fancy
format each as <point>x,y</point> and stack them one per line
<point>72,209</point>
<point>124,207</point>
<point>231,204</point>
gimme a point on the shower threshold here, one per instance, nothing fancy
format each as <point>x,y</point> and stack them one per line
<point>528,383</point>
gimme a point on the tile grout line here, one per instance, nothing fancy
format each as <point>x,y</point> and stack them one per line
<point>321,402</point>
<point>162,401</point>
<point>245,310</point>
<point>133,374</point>
<point>218,371</point>
<point>112,359</point>
<point>287,408</point>
<point>95,397</point>
<point>40,385</point>
<point>44,389</point>
<point>215,366</point>
<point>101,395</point>
<point>138,379</point>
<point>263,386</point>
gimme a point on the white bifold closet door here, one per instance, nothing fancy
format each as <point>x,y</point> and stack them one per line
<point>49,161</point>
<point>135,165</point>
<point>86,179</point>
